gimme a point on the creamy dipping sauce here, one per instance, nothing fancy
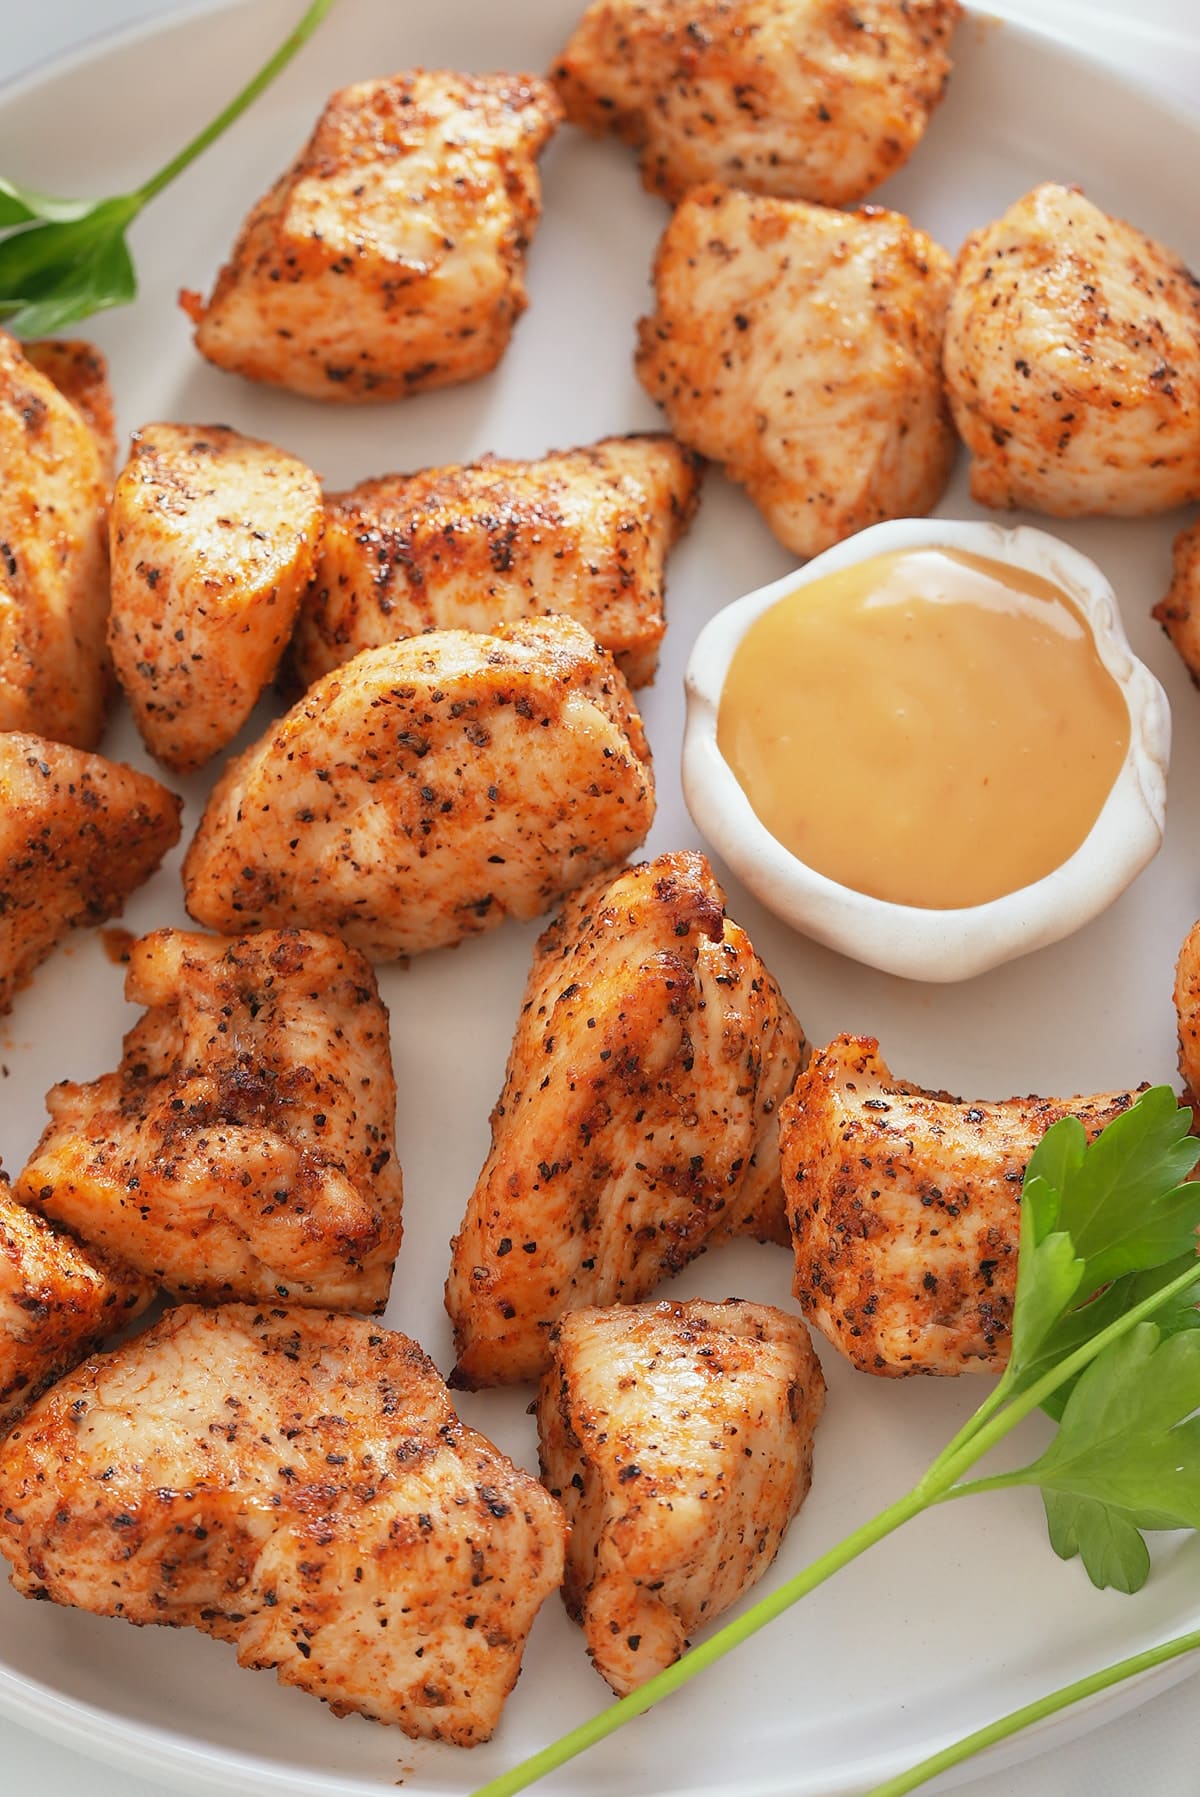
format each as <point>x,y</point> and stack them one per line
<point>928,727</point>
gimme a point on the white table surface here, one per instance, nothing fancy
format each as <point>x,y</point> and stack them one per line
<point>1146,1753</point>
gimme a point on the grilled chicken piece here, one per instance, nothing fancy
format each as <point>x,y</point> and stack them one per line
<point>214,539</point>
<point>78,834</point>
<point>584,533</point>
<point>299,1485</point>
<point>80,373</point>
<point>57,1300</point>
<point>801,348</point>
<point>637,1121</point>
<point>390,256</point>
<point>55,677</point>
<point>679,1439</point>
<point>1187,1011</point>
<point>429,789</point>
<point>245,1147</point>
<point>1073,362</point>
<point>1179,611</point>
<point>809,98</point>
<point>904,1207</point>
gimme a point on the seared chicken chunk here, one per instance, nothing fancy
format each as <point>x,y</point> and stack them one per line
<point>584,533</point>
<point>802,348</point>
<point>78,834</point>
<point>1073,362</point>
<point>57,1300</point>
<point>214,539</point>
<point>390,256</point>
<point>55,677</point>
<point>637,1121</point>
<point>428,790</point>
<point>904,1207</point>
<point>808,98</point>
<point>245,1147</point>
<point>1179,611</point>
<point>1187,1012</point>
<point>679,1440</point>
<point>80,373</point>
<point>297,1484</point>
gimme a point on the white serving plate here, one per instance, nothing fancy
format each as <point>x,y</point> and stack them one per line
<point>965,1613</point>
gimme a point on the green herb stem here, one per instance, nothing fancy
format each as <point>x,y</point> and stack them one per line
<point>939,1484</point>
<point>950,1467</point>
<point>1035,1712</point>
<point>970,1429</point>
<point>596,1728</point>
<point>282,56</point>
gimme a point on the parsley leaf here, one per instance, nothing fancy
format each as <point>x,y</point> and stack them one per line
<point>59,272</point>
<point>62,260</point>
<point>1126,1456</point>
<point>1123,1203</point>
<point>1049,1273</point>
<point>1177,1314</point>
<point>1112,1546</point>
<point>1094,1214</point>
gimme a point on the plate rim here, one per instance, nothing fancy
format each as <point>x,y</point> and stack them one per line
<point>189,1762</point>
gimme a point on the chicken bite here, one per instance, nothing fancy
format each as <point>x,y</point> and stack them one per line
<point>57,1300</point>
<point>802,348</point>
<point>390,256</point>
<point>584,533</point>
<point>55,677</point>
<point>808,98</point>
<point>638,1118</point>
<point>679,1440</point>
<point>213,539</point>
<point>80,373</point>
<point>299,1485</point>
<point>428,790</point>
<point>1187,1013</point>
<point>1179,610</point>
<point>245,1147</point>
<point>1073,362</point>
<point>78,834</point>
<point>904,1207</point>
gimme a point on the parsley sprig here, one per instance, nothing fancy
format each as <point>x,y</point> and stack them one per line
<point>62,260</point>
<point>1105,1339</point>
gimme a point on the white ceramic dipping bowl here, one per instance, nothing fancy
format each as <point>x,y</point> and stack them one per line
<point>915,943</point>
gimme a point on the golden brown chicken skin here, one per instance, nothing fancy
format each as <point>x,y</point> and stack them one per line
<point>679,1439</point>
<point>904,1207</point>
<point>801,348</point>
<point>428,790</point>
<point>584,533</point>
<point>299,1485</point>
<point>1179,610</point>
<point>245,1147</point>
<point>55,678</point>
<point>811,99</point>
<point>638,1118</point>
<point>78,834</point>
<point>57,1300</point>
<point>1073,362</point>
<point>213,539</point>
<point>390,256</point>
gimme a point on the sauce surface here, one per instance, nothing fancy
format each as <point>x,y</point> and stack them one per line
<point>928,727</point>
